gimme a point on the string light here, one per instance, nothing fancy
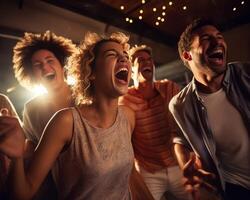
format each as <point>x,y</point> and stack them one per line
<point>163,7</point>
<point>162,19</point>
<point>157,23</point>
<point>154,9</point>
<point>234,9</point>
<point>170,3</point>
<point>141,11</point>
<point>163,13</point>
<point>184,7</point>
<point>140,17</point>
<point>130,21</point>
<point>143,1</point>
<point>122,7</point>
<point>242,2</point>
<point>127,19</point>
<point>159,18</point>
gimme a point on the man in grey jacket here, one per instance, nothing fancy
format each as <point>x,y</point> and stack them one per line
<point>213,113</point>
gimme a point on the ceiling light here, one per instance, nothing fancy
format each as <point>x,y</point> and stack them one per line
<point>122,7</point>
<point>170,3</point>
<point>154,9</point>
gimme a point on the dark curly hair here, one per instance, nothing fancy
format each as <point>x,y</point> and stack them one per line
<point>186,37</point>
<point>82,63</point>
<point>61,47</point>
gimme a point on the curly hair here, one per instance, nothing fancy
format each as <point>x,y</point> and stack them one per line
<point>186,37</point>
<point>61,47</point>
<point>82,63</point>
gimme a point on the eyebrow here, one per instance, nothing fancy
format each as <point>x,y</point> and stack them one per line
<point>125,52</point>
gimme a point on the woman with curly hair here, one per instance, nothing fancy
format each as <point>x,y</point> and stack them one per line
<point>87,147</point>
<point>40,59</point>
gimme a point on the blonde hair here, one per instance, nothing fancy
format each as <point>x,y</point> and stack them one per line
<point>82,63</point>
<point>61,47</point>
<point>132,53</point>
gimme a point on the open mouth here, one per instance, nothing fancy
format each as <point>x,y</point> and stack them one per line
<point>122,74</point>
<point>49,76</point>
<point>217,54</point>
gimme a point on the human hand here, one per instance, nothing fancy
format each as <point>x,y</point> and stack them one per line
<point>11,136</point>
<point>196,178</point>
<point>134,102</point>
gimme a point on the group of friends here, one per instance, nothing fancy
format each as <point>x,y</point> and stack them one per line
<point>100,139</point>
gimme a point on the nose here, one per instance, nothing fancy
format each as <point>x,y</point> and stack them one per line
<point>45,67</point>
<point>215,41</point>
<point>123,58</point>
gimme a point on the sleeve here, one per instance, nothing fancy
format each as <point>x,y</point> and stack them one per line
<point>179,137</point>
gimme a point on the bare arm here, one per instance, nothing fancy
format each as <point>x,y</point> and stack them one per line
<point>182,154</point>
<point>57,133</point>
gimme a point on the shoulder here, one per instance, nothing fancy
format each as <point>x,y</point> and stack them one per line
<point>182,98</point>
<point>35,102</point>
<point>240,67</point>
<point>62,122</point>
<point>168,85</point>
<point>64,116</point>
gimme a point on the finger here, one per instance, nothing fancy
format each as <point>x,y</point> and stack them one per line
<point>198,182</point>
<point>133,99</point>
<point>188,168</point>
<point>4,112</point>
<point>203,173</point>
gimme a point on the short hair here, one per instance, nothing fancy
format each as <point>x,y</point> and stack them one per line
<point>136,49</point>
<point>82,63</point>
<point>186,37</point>
<point>61,47</point>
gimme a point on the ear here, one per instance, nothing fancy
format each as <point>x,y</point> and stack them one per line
<point>186,55</point>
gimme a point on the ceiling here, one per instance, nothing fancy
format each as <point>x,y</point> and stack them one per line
<point>161,20</point>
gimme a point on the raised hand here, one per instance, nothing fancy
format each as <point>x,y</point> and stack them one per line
<point>11,136</point>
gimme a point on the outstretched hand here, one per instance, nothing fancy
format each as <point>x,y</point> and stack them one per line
<point>196,178</point>
<point>11,136</point>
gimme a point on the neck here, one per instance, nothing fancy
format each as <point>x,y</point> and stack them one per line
<point>147,89</point>
<point>61,98</point>
<point>208,84</point>
<point>102,113</point>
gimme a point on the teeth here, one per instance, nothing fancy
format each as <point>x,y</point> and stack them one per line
<point>217,51</point>
<point>122,69</point>
<point>49,74</point>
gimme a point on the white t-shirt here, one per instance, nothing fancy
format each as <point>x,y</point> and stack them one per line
<point>231,138</point>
